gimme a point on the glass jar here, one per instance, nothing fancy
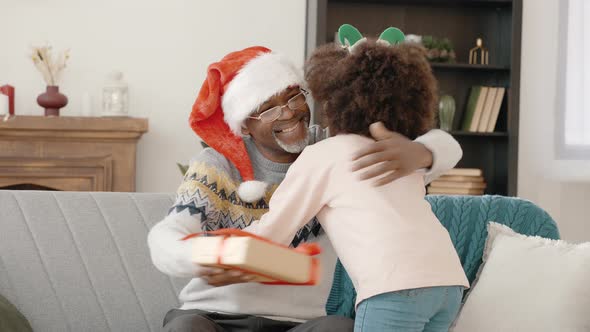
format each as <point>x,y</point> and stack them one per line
<point>115,96</point>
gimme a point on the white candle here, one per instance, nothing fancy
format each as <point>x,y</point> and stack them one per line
<point>3,104</point>
<point>86,104</point>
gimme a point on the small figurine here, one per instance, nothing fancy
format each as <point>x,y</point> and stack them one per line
<point>483,54</point>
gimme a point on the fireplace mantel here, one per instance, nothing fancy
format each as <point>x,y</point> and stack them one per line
<point>70,153</point>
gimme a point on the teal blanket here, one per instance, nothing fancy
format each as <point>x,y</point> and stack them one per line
<point>465,217</point>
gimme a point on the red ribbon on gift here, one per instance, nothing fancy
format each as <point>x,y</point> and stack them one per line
<point>310,249</point>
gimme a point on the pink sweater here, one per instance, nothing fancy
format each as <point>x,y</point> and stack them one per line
<point>387,237</point>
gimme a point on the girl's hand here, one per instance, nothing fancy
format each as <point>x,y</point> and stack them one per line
<point>392,154</point>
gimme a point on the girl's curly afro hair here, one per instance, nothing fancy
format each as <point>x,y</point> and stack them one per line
<point>392,84</point>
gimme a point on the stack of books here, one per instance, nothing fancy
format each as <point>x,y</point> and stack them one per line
<point>483,108</point>
<point>459,181</point>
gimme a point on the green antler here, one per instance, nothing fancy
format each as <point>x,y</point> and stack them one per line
<point>393,36</point>
<point>348,35</point>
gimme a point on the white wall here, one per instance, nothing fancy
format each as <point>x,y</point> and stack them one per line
<point>162,46</point>
<point>567,202</point>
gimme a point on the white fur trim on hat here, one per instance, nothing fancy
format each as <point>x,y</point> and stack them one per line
<point>252,191</point>
<point>257,81</point>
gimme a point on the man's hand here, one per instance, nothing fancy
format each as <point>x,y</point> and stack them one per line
<point>220,277</point>
<point>392,154</point>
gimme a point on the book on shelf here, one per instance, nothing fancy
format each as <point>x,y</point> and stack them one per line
<point>477,112</point>
<point>461,178</point>
<point>496,110</point>
<point>267,261</point>
<point>470,109</point>
<point>481,101</point>
<point>483,108</point>
<point>459,181</point>
<point>486,112</point>
<point>464,172</point>
<point>454,191</point>
<point>458,184</point>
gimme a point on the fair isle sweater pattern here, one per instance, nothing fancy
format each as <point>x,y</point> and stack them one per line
<point>212,196</point>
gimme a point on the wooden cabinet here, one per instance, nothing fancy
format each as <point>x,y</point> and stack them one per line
<point>70,153</point>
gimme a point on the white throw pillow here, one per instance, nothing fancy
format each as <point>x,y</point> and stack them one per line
<point>528,284</point>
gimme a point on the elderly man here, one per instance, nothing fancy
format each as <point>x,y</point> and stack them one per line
<point>252,112</point>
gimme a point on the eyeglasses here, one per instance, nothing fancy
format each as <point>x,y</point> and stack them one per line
<point>296,102</point>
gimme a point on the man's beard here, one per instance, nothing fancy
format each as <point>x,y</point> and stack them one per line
<point>296,147</point>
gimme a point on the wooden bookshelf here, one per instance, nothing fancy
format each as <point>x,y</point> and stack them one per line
<point>498,22</point>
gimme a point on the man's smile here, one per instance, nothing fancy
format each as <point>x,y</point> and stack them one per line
<point>289,128</point>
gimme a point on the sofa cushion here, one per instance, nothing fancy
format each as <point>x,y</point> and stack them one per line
<point>465,217</point>
<point>528,283</point>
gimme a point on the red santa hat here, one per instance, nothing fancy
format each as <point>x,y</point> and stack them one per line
<point>234,89</point>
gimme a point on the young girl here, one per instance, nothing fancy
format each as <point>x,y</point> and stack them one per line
<point>400,258</point>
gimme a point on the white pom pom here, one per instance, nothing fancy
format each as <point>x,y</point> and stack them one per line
<point>252,191</point>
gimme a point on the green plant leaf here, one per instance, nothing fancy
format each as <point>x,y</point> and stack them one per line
<point>427,41</point>
<point>437,44</point>
<point>446,44</point>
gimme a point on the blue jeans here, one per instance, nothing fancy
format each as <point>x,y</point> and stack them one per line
<point>430,309</point>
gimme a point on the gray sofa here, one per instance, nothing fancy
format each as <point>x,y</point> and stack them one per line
<point>79,261</point>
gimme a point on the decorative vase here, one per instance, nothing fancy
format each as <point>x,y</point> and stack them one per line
<point>446,112</point>
<point>52,100</point>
